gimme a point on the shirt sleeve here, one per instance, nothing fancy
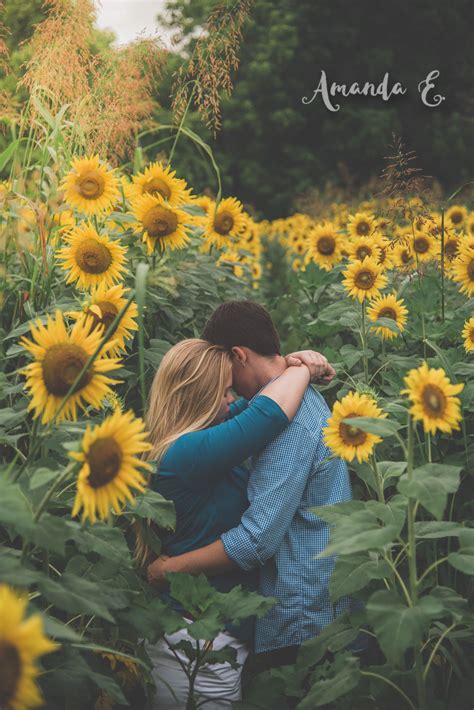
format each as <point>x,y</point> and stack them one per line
<point>237,407</point>
<point>199,457</point>
<point>277,483</point>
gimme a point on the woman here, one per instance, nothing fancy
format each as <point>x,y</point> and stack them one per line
<point>199,438</point>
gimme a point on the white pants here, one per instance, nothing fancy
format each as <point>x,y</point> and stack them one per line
<point>219,682</point>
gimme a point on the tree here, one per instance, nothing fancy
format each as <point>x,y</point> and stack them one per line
<point>272,147</point>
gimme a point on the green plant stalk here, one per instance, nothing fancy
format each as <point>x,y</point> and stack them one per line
<point>181,123</point>
<point>428,446</point>
<point>140,289</point>
<point>442,264</point>
<point>392,684</point>
<point>432,567</point>
<point>363,337</point>
<point>378,479</point>
<point>48,495</point>
<point>436,646</point>
<point>423,325</point>
<point>411,553</point>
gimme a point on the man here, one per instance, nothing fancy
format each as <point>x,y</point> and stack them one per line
<point>277,533</point>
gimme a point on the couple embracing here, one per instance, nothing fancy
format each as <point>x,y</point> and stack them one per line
<point>244,525</point>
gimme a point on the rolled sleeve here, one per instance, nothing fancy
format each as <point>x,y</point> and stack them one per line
<point>277,483</point>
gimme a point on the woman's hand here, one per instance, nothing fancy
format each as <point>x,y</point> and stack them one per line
<point>319,367</point>
<point>157,570</point>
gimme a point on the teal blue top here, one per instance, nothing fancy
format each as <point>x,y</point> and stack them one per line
<point>202,475</point>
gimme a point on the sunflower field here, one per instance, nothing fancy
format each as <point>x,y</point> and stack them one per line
<point>108,258</point>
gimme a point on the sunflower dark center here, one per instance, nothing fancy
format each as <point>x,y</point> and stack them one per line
<point>451,248</point>
<point>421,245</point>
<point>326,245</point>
<point>160,222</point>
<point>157,185</point>
<point>223,223</point>
<point>405,256</point>
<point>299,248</point>
<point>104,458</point>
<point>91,185</point>
<point>471,335</point>
<point>10,672</point>
<point>351,435</point>
<point>61,365</point>
<point>363,228</point>
<point>434,400</point>
<point>365,279</point>
<point>363,251</point>
<point>388,312</point>
<point>456,217</point>
<point>108,311</point>
<point>470,270</point>
<point>93,257</point>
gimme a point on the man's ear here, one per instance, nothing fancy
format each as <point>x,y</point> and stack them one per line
<point>240,354</point>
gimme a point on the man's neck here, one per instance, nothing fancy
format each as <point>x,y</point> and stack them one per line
<point>269,369</point>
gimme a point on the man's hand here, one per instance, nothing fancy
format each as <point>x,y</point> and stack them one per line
<point>157,570</point>
<point>319,367</point>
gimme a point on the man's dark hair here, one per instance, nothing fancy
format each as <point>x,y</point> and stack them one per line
<point>243,323</point>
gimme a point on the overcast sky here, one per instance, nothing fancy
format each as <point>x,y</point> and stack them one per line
<point>129,18</point>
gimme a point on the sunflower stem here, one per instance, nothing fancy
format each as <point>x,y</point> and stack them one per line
<point>140,288</point>
<point>363,337</point>
<point>428,446</point>
<point>411,554</point>
<point>378,479</point>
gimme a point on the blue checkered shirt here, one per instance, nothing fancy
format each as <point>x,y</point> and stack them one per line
<point>279,535</point>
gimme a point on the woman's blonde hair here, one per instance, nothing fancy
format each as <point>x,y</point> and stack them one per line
<point>186,392</point>
<point>185,396</point>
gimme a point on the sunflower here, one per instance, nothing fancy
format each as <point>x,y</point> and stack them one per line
<point>91,258</point>
<point>362,224</point>
<point>463,267</point>
<point>403,257</point>
<point>456,217</point>
<point>324,245</point>
<point>256,270</point>
<point>385,259</point>
<point>160,223</point>
<point>90,186</point>
<point>160,180</point>
<point>298,265</point>
<point>110,467</point>
<point>470,224</point>
<point>249,239</point>
<point>433,400</point>
<point>423,245</point>
<point>348,441</point>
<point>451,246</point>
<point>360,247</point>
<point>22,642</point>
<point>363,279</point>
<point>225,223</point>
<point>387,307</point>
<point>468,335</point>
<point>206,204</point>
<point>59,358</point>
<point>300,247</point>
<point>102,307</point>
